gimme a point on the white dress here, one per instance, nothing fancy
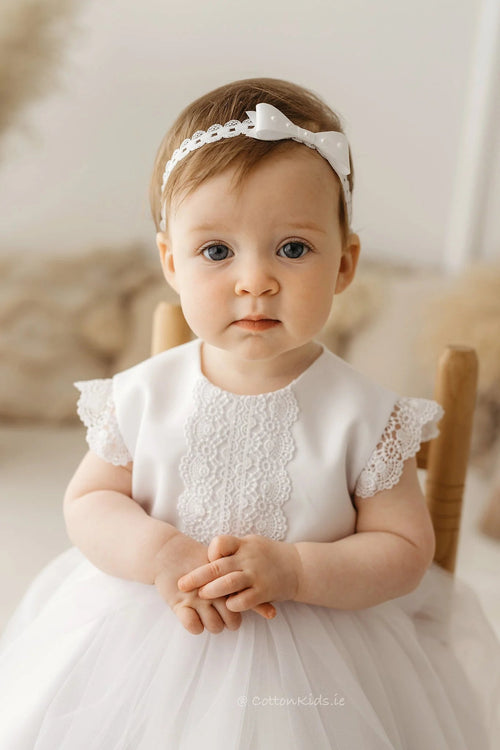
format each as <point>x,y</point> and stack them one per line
<point>92,662</point>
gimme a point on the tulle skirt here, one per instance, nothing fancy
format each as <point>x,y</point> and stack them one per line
<point>92,662</point>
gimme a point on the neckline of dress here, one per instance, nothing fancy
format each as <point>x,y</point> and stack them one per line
<point>276,392</point>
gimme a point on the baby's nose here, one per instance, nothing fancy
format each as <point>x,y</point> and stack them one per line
<point>256,278</point>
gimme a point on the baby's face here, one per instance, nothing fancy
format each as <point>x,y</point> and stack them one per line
<point>272,250</point>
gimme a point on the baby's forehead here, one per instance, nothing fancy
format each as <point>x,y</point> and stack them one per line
<point>256,206</point>
<point>291,170</point>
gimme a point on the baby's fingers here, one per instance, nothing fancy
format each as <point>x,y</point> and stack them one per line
<point>189,619</point>
<point>247,599</point>
<point>195,618</point>
<point>266,610</point>
<point>202,575</point>
<point>228,584</point>
<point>232,620</point>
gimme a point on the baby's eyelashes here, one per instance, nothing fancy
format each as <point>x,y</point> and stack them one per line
<point>292,250</point>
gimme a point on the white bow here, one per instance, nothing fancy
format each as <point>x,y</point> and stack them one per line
<point>272,125</point>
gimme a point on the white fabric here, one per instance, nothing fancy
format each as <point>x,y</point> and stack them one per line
<point>412,422</point>
<point>96,409</point>
<point>93,662</point>
<point>332,442</point>
<point>234,471</point>
<point>215,433</point>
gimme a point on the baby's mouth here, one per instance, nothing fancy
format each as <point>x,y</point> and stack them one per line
<point>257,325</point>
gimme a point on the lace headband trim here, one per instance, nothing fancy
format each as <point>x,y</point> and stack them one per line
<point>267,123</point>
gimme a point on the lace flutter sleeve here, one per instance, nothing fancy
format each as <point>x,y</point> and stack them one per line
<point>96,409</point>
<point>412,422</point>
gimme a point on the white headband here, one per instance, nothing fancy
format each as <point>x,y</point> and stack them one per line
<point>267,123</point>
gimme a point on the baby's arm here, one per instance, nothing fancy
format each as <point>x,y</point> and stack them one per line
<point>113,531</point>
<point>386,558</point>
<point>117,535</point>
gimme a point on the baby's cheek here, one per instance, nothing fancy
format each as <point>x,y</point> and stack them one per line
<point>202,313</point>
<point>194,318</point>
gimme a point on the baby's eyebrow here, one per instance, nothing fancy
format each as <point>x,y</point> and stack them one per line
<point>306,225</point>
<point>208,227</point>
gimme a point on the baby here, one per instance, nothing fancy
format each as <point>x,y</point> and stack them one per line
<point>251,489</point>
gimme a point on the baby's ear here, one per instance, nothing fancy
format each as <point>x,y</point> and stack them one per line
<point>166,259</point>
<point>348,263</point>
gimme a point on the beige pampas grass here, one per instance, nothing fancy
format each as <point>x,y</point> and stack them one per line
<point>468,313</point>
<point>33,37</point>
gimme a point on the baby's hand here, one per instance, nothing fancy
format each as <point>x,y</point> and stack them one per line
<point>179,555</point>
<point>255,569</point>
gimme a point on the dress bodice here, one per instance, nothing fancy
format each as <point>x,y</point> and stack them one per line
<point>285,464</point>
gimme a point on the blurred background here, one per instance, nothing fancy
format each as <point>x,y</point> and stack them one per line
<point>87,91</point>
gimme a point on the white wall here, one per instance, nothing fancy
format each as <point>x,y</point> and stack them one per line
<point>490,240</point>
<point>77,174</point>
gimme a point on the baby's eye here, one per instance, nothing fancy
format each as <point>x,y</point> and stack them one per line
<point>293,250</point>
<point>216,252</point>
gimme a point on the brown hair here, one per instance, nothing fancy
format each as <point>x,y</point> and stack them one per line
<point>230,102</point>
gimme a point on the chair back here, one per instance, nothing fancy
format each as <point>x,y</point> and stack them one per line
<point>446,457</point>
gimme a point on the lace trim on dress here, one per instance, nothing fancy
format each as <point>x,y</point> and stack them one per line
<point>412,422</point>
<point>234,470</point>
<point>96,409</point>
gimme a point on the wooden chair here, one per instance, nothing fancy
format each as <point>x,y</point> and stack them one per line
<point>445,458</point>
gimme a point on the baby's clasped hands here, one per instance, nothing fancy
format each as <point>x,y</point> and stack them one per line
<point>250,571</point>
<point>179,554</point>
